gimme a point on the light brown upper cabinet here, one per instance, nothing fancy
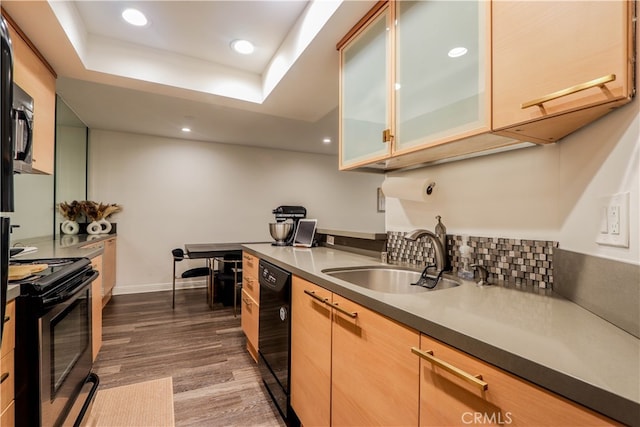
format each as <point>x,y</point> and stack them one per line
<point>426,81</point>
<point>36,77</point>
<point>365,94</point>
<point>559,65</point>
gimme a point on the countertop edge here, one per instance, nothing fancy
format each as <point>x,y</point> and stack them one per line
<point>605,402</point>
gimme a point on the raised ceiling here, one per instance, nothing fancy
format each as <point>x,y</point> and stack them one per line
<point>180,71</point>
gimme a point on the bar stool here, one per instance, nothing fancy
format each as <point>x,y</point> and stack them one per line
<point>179,255</point>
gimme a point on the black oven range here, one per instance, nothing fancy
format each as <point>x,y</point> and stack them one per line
<point>53,342</point>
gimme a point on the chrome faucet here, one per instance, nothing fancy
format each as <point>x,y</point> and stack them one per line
<point>435,242</point>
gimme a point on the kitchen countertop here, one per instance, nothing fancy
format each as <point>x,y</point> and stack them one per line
<point>65,246</point>
<point>535,334</point>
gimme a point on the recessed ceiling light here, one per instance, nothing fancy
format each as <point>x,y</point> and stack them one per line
<point>186,129</point>
<point>327,140</point>
<point>134,17</point>
<point>457,52</point>
<point>244,47</point>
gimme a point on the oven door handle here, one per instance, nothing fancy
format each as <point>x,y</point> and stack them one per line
<point>95,379</point>
<point>66,294</point>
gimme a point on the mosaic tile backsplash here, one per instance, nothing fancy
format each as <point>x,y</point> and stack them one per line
<point>517,261</point>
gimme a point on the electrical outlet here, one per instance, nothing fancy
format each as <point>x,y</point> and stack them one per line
<point>614,220</point>
<point>330,240</point>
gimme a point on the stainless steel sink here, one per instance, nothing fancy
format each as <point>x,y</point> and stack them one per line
<point>387,279</point>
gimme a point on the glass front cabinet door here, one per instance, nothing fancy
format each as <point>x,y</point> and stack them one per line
<point>442,87</point>
<point>419,83</point>
<point>365,98</point>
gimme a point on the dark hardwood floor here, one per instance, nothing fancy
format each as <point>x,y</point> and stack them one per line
<point>215,381</point>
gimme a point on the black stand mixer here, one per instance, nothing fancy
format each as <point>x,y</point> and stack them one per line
<point>287,217</point>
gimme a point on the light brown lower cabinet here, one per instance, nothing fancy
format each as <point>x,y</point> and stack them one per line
<point>108,272</point>
<point>108,269</point>
<point>7,363</point>
<point>373,375</point>
<point>96,307</point>
<point>455,398</point>
<point>352,366</point>
<point>249,318</point>
<point>310,353</point>
<point>362,356</point>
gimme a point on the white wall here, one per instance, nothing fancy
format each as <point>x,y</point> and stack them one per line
<point>33,206</point>
<point>543,192</point>
<point>177,191</point>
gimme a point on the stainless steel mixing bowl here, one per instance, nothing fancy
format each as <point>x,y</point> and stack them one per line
<point>280,231</point>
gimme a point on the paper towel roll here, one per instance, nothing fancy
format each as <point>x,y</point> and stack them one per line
<point>415,189</point>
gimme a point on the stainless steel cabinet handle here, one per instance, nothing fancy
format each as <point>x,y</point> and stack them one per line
<point>342,310</point>
<point>474,380</point>
<point>601,81</point>
<point>313,295</point>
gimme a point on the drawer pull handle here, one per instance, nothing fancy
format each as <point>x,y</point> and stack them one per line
<point>601,81</point>
<point>475,380</point>
<point>7,318</point>
<point>313,295</point>
<point>342,310</point>
<point>247,302</point>
<point>4,377</point>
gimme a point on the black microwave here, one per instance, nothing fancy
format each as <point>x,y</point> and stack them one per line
<point>22,116</point>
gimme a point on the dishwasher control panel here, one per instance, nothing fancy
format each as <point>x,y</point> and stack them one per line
<point>273,277</point>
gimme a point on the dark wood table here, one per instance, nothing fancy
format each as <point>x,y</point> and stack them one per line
<point>213,252</point>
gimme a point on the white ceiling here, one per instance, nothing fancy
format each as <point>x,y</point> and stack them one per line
<point>179,70</point>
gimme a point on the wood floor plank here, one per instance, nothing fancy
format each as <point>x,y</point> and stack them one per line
<point>215,381</point>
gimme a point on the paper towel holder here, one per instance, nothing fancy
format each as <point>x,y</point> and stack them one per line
<point>429,189</point>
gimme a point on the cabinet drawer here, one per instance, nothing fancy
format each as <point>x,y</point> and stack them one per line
<point>7,380</point>
<point>9,331</point>
<point>8,417</point>
<point>249,265</point>
<point>250,276</point>
<point>249,319</point>
<point>447,399</point>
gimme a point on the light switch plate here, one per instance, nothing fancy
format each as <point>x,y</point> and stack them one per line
<point>604,223</point>
<point>614,220</point>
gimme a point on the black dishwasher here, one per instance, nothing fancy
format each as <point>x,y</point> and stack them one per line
<point>274,334</point>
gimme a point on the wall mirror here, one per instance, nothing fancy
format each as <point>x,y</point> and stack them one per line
<point>37,195</point>
<point>71,159</point>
